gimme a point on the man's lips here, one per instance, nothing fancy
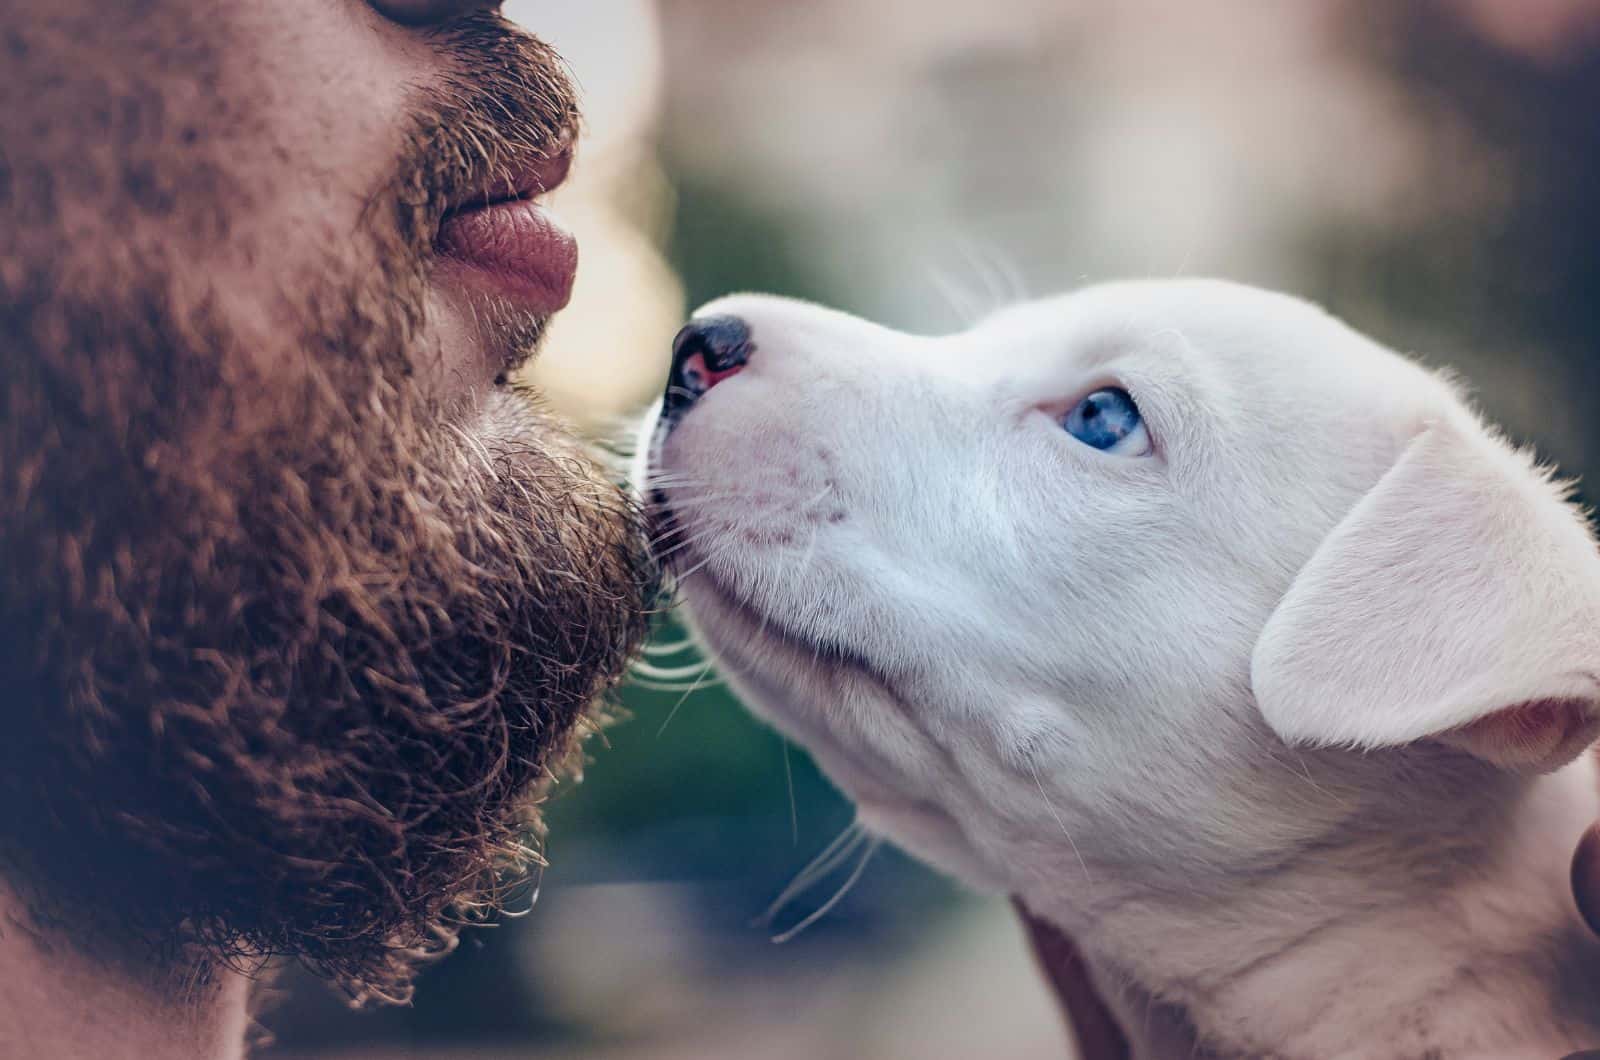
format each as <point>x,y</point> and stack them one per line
<point>507,244</point>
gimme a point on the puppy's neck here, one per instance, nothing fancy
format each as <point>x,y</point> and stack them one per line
<point>1462,942</point>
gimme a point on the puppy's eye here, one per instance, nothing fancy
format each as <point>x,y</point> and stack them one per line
<point>1108,420</point>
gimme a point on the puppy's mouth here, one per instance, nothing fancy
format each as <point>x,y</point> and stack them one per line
<point>755,639</point>
<point>768,628</point>
<point>802,683</point>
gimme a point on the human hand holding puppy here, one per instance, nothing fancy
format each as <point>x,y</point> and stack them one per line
<point>1586,877</point>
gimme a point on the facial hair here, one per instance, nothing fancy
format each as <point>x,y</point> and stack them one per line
<point>288,653</point>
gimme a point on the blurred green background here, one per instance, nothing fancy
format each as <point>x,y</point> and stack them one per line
<point>1430,169</point>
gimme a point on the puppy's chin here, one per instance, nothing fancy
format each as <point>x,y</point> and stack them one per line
<point>807,694</point>
<point>930,834</point>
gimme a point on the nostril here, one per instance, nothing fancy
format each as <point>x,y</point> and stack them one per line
<point>707,351</point>
<point>723,343</point>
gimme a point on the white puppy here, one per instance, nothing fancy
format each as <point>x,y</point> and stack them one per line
<point>1227,639</point>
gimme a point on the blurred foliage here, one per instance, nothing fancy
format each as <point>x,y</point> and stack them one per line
<point>727,238</point>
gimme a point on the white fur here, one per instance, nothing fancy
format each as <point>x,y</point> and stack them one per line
<point>1461,584</point>
<point>1183,705</point>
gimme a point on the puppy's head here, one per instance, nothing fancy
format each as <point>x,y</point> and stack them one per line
<point>1094,581</point>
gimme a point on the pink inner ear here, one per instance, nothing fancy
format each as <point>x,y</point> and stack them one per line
<point>1541,735</point>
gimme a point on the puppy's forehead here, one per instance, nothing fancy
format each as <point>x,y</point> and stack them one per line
<point>1223,359</point>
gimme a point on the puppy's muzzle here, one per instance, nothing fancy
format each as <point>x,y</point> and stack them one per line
<point>707,351</point>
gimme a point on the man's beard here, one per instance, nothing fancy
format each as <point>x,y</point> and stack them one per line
<point>287,651</point>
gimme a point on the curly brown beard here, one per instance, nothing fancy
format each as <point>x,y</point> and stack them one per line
<point>287,654</point>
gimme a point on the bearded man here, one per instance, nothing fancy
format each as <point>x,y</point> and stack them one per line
<point>300,600</point>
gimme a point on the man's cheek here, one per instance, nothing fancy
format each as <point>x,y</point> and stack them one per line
<point>306,116</point>
<point>447,359</point>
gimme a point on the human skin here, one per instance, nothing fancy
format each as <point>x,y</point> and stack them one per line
<point>302,602</point>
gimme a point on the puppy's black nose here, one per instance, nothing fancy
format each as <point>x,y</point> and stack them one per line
<point>707,351</point>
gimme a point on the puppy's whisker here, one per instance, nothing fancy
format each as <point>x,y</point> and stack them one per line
<point>1013,284</point>
<point>1002,284</point>
<point>674,686</point>
<point>826,489</point>
<point>664,555</point>
<point>678,538</point>
<point>681,503</point>
<point>683,392</point>
<point>1303,773</point>
<point>676,530</point>
<point>961,303</point>
<point>672,483</point>
<point>838,896</point>
<point>679,500</point>
<point>794,809</point>
<point>673,713</point>
<point>670,647</point>
<point>832,856</point>
<point>679,497</point>
<point>811,550</point>
<point>664,545</point>
<point>670,673</point>
<point>618,434</point>
<point>1060,823</point>
<point>676,478</point>
<point>710,557</point>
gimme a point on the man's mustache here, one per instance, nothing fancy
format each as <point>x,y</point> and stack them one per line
<point>507,104</point>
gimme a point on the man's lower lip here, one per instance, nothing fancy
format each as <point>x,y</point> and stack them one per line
<point>515,250</point>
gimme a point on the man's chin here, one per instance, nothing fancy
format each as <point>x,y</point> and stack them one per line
<point>474,342</point>
<point>301,692</point>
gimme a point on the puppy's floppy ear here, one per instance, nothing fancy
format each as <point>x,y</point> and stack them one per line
<point>1459,599</point>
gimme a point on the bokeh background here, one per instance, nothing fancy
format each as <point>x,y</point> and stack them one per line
<point>1430,169</point>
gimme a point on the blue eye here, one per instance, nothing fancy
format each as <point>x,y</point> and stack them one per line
<point>1108,420</point>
